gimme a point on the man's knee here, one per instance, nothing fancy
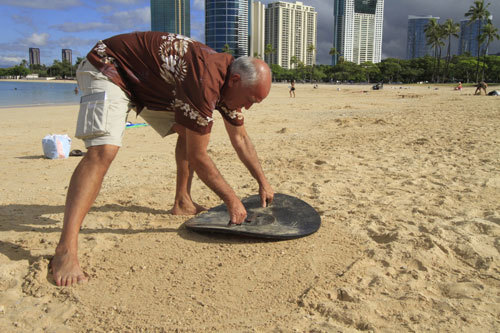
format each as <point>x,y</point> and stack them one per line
<point>103,154</point>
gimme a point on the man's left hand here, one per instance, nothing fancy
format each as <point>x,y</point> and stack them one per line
<point>266,193</point>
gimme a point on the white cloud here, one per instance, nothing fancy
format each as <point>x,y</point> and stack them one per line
<point>79,27</point>
<point>42,4</point>
<point>9,61</point>
<point>198,31</point>
<point>121,21</point>
<point>72,42</point>
<point>199,5</point>
<point>130,20</point>
<point>105,9</point>
<point>37,39</point>
<point>23,19</point>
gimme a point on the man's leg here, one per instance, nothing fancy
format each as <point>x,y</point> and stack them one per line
<point>83,189</point>
<point>183,204</point>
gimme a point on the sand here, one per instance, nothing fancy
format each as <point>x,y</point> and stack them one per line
<point>407,182</point>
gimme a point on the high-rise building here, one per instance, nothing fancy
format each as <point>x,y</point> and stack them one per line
<point>34,56</point>
<point>67,55</point>
<point>226,25</point>
<point>291,30</point>
<point>171,16</point>
<point>257,28</point>
<point>416,41</point>
<point>357,30</point>
<point>468,41</point>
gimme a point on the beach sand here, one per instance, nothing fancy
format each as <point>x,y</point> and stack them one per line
<point>407,183</point>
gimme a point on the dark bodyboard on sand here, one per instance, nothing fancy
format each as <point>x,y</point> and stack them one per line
<point>286,218</point>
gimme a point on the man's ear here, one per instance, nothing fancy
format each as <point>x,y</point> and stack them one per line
<point>234,79</point>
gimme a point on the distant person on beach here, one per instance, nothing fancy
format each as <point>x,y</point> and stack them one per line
<point>292,88</point>
<point>76,90</point>
<point>174,83</point>
<point>481,86</point>
<point>459,87</point>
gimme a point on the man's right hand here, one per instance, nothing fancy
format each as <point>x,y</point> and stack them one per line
<point>237,212</point>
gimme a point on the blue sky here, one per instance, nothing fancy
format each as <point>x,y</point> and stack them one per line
<point>77,24</point>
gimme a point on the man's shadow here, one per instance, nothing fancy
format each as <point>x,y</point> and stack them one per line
<point>26,218</point>
<point>33,218</point>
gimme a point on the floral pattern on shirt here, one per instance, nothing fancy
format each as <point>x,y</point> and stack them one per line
<point>172,51</point>
<point>101,51</point>
<point>191,113</point>
<point>234,114</point>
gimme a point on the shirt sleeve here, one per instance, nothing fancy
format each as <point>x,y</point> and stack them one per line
<point>200,92</point>
<point>234,117</point>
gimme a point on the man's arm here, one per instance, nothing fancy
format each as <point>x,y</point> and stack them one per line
<point>246,152</point>
<point>206,170</point>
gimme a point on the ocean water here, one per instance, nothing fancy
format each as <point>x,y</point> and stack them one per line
<point>14,94</point>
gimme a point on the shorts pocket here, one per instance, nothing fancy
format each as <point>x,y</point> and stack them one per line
<point>93,116</point>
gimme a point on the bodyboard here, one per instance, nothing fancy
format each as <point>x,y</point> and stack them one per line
<point>286,218</point>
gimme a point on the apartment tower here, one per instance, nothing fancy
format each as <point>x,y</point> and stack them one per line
<point>468,41</point>
<point>257,27</point>
<point>227,25</point>
<point>291,30</point>
<point>34,54</point>
<point>416,41</point>
<point>357,31</point>
<point>171,16</point>
<point>67,55</point>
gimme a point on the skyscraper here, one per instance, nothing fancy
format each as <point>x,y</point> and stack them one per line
<point>416,41</point>
<point>468,41</point>
<point>357,30</point>
<point>291,30</point>
<point>226,23</point>
<point>171,16</point>
<point>257,28</point>
<point>67,55</point>
<point>34,56</point>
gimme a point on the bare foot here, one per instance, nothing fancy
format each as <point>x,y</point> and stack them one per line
<point>66,269</point>
<point>187,208</point>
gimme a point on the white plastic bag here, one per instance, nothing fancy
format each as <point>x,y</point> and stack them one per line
<point>56,146</point>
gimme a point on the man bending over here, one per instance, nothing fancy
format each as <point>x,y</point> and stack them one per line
<point>174,83</point>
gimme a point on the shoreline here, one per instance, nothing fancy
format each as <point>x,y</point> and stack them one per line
<point>39,81</point>
<point>37,105</point>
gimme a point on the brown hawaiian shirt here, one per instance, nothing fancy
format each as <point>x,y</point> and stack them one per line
<point>170,73</point>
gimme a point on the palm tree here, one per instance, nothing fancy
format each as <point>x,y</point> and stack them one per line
<point>294,60</point>
<point>227,49</point>
<point>333,52</point>
<point>434,35</point>
<point>450,29</point>
<point>310,49</point>
<point>268,51</point>
<point>478,12</point>
<point>489,34</point>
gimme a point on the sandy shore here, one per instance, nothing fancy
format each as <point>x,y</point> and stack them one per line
<point>407,182</point>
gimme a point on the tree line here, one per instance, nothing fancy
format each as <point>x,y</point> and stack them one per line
<point>464,68</point>
<point>59,69</point>
<point>438,35</point>
<point>459,68</point>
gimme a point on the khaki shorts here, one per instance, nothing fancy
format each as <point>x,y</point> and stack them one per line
<point>104,108</point>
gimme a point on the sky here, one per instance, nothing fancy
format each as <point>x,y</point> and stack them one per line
<point>52,25</point>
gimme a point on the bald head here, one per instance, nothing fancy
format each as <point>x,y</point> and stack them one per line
<point>249,82</point>
<point>251,70</point>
